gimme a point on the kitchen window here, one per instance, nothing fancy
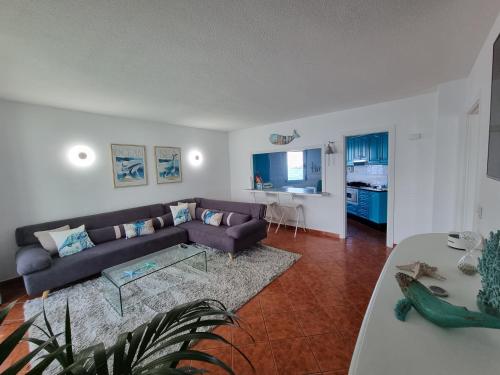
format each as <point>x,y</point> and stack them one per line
<point>295,165</point>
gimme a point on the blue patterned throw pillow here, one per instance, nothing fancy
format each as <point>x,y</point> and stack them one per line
<point>139,228</point>
<point>212,217</point>
<point>71,241</point>
<point>180,214</point>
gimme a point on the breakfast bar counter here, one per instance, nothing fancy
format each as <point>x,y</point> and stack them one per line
<point>289,190</point>
<point>387,346</point>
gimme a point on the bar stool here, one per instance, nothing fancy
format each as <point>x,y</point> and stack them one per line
<point>291,206</point>
<point>272,208</point>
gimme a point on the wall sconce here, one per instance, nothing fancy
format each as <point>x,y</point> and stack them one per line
<point>195,158</point>
<point>81,156</point>
<point>330,149</point>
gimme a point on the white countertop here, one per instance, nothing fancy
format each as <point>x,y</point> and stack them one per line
<point>294,191</point>
<point>368,188</point>
<point>387,346</point>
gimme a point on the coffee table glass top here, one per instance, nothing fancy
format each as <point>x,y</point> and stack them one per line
<point>122,274</point>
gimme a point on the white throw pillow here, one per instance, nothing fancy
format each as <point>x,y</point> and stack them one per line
<point>46,240</point>
<point>71,241</point>
<point>191,207</point>
<point>180,214</point>
<point>139,228</point>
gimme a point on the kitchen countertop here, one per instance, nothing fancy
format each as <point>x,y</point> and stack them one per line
<point>368,188</point>
<point>288,190</point>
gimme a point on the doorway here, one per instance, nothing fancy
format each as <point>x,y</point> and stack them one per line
<point>368,186</point>
<point>471,163</point>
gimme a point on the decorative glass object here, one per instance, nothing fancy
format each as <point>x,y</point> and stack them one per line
<point>468,263</point>
<point>488,298</point>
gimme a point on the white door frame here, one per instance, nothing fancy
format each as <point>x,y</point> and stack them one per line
<point>470,171</point>
<point>391,168</point>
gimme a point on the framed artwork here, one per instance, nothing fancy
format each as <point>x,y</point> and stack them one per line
<point>129,165</point>
<point>168,164</point>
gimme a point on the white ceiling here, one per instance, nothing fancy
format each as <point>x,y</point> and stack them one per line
<point>227,64</point>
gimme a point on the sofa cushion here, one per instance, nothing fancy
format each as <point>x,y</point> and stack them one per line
<point>190,205</point>
<point>246,229</point>
<point>255,210</point>
<point>208,235</point>
<point>229,219</point>
<point>32,259</point>
<point>47,241</point>
<point>212,217</point>
<point>24,235</point>
<point>72,241</point>
<point>139,228</point>
<point>105,234</point>
<point>180,214</point>
<point>163,221</point>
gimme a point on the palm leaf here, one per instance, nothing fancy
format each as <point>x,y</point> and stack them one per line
<point>67,335</point>
<point>51,348</point>
<point>100,360</point>
<point>8,345</point>
<point>134,343</point>
<point>5,311</point>
<point>46,361</point>
<point>18,366</point>
<point>150,331</point>
<point>133,352</point>
<point>184,346</point>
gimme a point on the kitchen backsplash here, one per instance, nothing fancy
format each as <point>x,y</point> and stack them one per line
<point>372,174</point>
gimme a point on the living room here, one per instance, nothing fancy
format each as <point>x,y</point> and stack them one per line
<point>193,92</point>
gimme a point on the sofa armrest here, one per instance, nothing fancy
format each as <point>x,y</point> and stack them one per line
<point>246,229</point>
<point>31,259</point>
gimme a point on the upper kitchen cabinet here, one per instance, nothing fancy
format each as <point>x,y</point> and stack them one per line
<point>350,150</point>
<point>370,149</point>
<point>378,148</point>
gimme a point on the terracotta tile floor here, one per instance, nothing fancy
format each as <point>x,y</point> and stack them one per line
<point>306,321</point>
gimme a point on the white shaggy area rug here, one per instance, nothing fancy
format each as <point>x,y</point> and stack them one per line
<point>93,320</point>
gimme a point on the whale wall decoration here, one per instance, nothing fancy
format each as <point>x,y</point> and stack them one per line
<point>278,139</point>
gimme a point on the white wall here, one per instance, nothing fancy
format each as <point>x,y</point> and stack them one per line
<point>450,123</point>
<point>479,88</point>
<point>38,184</point>
<point>414,164</point>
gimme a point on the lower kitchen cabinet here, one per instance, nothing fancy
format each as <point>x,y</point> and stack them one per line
<point>352,209</point>
<point>372,205</point>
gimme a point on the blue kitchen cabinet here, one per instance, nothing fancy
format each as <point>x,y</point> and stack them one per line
<point>372,148</point>
<point>384,149</point>
<point>364,198</point>
<point>352,209</point>
<point>372,205</point>
<point>361,147</point>
<point>378,149</point>
<point>350,151</point>
<point>377,210</point>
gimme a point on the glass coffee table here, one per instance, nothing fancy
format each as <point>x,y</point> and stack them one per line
<point>118,277</point>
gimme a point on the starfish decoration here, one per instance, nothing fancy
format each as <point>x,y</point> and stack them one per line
<point>420,269</point>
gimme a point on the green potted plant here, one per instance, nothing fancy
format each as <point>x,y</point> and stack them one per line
<point>156,347</point>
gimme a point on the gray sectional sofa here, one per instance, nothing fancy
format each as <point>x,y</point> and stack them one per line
<point>41,271</point>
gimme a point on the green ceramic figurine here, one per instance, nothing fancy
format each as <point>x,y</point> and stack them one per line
<point>436,310</point>
<point>488,299</point>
